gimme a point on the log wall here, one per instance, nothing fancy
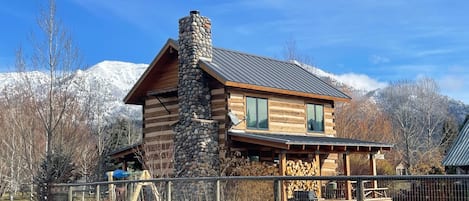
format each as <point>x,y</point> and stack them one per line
<point>158,133</point>
<point>219,110</point>
<point>287,114</point>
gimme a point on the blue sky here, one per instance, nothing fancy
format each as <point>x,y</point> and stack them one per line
<point>385,40</point>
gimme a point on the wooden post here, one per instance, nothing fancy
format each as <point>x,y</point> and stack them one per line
<point>124,164</point>
<point>348,184</point>
<point>112,187</point>
<point>283,166</point>
<point>317,162</point>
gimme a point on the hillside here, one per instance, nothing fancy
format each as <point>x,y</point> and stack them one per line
<point>110,81</point>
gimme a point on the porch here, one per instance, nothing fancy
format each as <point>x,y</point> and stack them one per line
<point>322,153</point>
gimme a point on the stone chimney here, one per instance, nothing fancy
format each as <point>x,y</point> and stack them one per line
<point>196,135</point>
<point>195,42</point>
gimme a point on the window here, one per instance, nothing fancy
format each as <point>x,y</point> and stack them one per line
<point>256,113</point>
<point>315,115</point>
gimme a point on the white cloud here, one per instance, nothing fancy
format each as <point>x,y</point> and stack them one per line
<point>357,81</point>
<point>360,81</point>
<point>452,82</point>
<point>376,59</point>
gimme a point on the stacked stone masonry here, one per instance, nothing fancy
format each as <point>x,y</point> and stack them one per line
<point>196,135</point>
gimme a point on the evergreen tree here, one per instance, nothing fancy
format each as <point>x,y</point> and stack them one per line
<point>59,168</point>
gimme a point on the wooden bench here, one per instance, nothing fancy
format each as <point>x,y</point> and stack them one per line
<point>375,192</point>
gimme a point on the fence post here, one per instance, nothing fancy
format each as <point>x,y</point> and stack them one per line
<point>217,198</point>
<point>70,193</point>
<point>98,196</point>
<point>168,191</point>
<point>360,193</point>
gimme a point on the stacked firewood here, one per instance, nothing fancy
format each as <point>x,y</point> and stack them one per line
<point>300,168</point>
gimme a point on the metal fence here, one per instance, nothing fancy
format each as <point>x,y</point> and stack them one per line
<point>398,188</point>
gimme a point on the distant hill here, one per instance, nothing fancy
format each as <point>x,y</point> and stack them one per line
<point>370,88</point>
<point>109,81</point>
<point>112,80</point>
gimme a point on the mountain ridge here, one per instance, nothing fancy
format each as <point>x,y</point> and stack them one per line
<point>112,80</point>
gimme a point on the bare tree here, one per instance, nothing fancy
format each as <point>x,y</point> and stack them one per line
<point>363,119</point>
<point>53,100</point>
<point>417,111</point>
<point>291,53</point>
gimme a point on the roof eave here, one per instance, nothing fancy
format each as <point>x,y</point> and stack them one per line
<point>225,82</point>
<point>130,97</point>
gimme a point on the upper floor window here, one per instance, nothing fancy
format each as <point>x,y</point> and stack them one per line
<point>315,115</point>
<point>256,113</point>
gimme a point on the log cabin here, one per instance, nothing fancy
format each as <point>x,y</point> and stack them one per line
<point>201,103</point>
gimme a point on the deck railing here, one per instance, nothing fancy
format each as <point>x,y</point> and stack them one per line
<point>399,188</point>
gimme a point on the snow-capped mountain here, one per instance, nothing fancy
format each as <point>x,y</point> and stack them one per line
<point>110,81</point>
<point>107,81</point>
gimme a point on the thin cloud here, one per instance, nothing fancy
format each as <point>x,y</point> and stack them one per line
<point>376,59</point>
<point>453,82</point>
<point>432,52</point>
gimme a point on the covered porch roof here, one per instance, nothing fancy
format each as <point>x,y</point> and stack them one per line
<point>293,144</point>
<point>309,142</point>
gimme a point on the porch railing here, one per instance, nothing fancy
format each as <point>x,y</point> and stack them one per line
<point>398,188</point>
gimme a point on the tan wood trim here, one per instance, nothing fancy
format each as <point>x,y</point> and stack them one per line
<point>348,185</point>
<point>373,170</point>
<point>283,167</point>
<point>283,91</point>
<point>260,142</point>
<point>169,44</point>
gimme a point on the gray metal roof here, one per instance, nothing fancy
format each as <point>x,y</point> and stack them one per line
<point>311,140</point>
<point>261,71</point>
<point>458,154</point>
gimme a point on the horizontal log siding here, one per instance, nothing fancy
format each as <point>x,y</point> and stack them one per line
<point>329,120</point>
<point>329,164</point>
<point>287,114</point>
<point>167,76</point>
<point>159,135</point>
<point>236,105</point>
<point>218,104</point>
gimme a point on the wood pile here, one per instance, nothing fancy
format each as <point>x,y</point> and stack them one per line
<point>300,168</point>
